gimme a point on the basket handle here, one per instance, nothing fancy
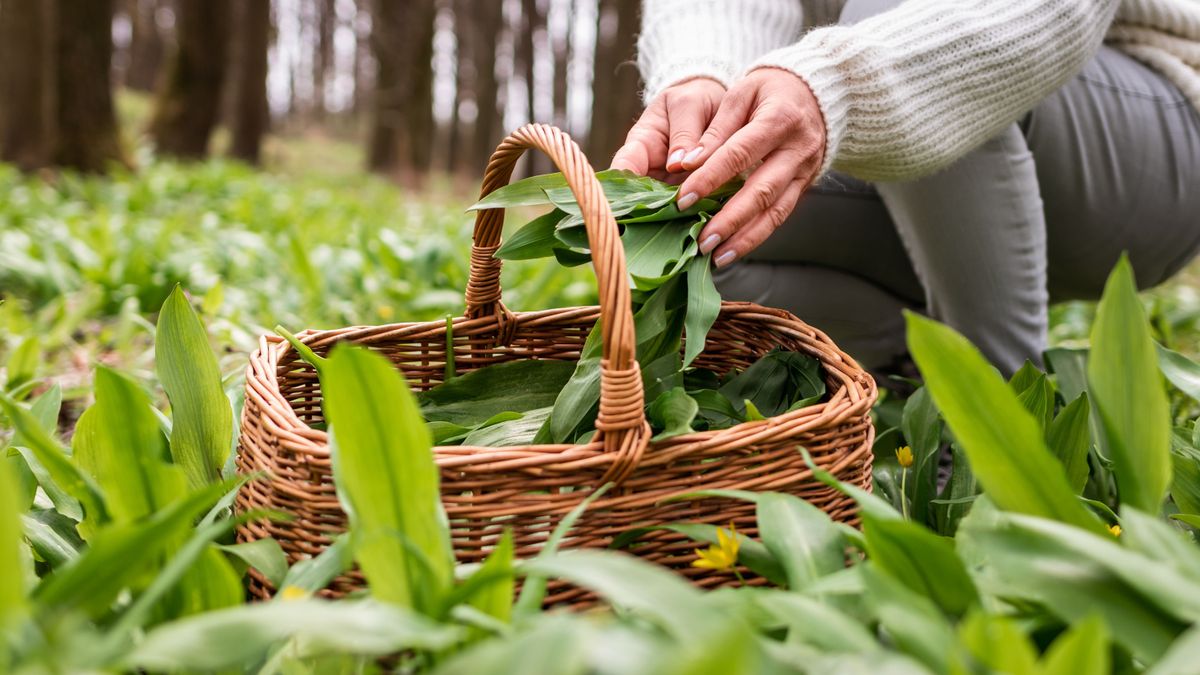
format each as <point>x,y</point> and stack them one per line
<point>621,423</point>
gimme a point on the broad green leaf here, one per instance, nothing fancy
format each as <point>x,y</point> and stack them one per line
<point>313,574</point>
<point>801,537</point>
<point>494,596</point>
<point>817,623</point>
<point>1083,648</point>
<point>1070,439</point>
<point>1127,392</point>
<point>210,583</point>
<point>119,555</point>
<point>716,410</point>
<point>264,555</point>
<point>1189,519</point>
<point>922,561</point>
<point>532,191</point>
<point>519,386</point>
<point>1070,371</point>
<point>913,621</point>
<point>387,479</point>
<point>998,643</point>
<point>671,212</point>
<point>868,504</point>
<point>534,240</point>
<point>1182,656</point>
<point>558,645</point>
<point>775,382</point>
<point>1076,574</point>
<point>509,432</point>
<point>1156,539</point>
<point>12,570</point>
<point>52,535</point>
<point>43,453</point>
<point>1038,399</point>
<point>654,251</point>
<point>673,413</point>
<point>647,589</point>
<point>1025,377</point>
<point>1185,486</point>
<point>118,443</point>
<point>202,419</point>
<point>703,306</point>
<point>246,633</point>
<point>1001,439</point>
<point>45,409</point>
<point>751,553</point>
<point>1179,370</point>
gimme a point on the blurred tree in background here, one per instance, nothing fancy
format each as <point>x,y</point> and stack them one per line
<point>420,85</point>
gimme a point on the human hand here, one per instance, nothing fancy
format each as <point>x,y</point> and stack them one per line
<point>657,144</point>
<point>771,116</point>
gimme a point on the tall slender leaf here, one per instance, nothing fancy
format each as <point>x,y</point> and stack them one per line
<point>202,419</point>
<point>1000,437</point>
<point>1127,391</point>
<point>703,306</point>
<point>383,465</point>
<point>801,537</point>
<point>1083,648</point>
<point>1070,439</point>
<point>12,571</point>
<point>922,561</point>
<point>1181,371</point>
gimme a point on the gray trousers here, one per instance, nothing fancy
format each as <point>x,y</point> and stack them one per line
<point>1108,163</point>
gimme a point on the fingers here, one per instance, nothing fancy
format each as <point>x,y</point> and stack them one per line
<point>646,144</point>
<point>746,146</point>
<point>753,235</point>
<point>757,196</point>
<point>732,115</point>
<point>686,121</point>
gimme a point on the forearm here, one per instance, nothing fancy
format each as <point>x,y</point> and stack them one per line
<point>685,39</point>
<point>909,91</point>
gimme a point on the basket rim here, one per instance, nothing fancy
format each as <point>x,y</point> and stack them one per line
<point>854,396</point>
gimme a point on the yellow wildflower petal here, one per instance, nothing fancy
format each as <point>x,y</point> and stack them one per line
<point>904,455</point>
<point>1115,530</point>
<point>293,593</point>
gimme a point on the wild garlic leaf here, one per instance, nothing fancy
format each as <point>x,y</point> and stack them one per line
<point>672,413</point>
<point>476,396</point>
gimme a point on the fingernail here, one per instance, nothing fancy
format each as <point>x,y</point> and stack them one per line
<point>685,202</point>
<point>691,156</point>
<point>710,242</point>
<point>725,258</point>
<point>675,157</point>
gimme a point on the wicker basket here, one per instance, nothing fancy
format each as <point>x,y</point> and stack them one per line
<point>528,489</point>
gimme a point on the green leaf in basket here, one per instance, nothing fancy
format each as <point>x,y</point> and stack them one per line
<point>672,413</point>
<point>202,419</point>
<point>716,410</point>
<point>654,251</point>
<point>1126,390</point>
<point>703,306</point>
<point>537,190</point>
<point>671,212</point>
<point>518,429</point>
<point>387,480</point>
<point>626,192</point>
<point>476,396</point>
<point>775,382</point>
<point>536,239</point>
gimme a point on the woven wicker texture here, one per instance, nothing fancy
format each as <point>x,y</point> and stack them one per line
<point>529,488</point>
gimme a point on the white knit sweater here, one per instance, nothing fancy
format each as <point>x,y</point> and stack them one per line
<point>909,91</point>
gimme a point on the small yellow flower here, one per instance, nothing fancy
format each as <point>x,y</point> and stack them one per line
<point>292,593</point>
<point>1115,530</point>
<point>720,556</point>
<point>385,312</point>
<point>904,456</point>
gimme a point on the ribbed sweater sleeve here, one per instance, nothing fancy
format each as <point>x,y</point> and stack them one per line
<point>907,92</point>
<point>685,39</point>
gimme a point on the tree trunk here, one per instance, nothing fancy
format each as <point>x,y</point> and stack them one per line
<point>86,122</point>
<point>562,63</point>
<point>323,56</point>
<point>615,103</point>
<point>250,113</point>
<point>485,22</point>
<point>531,21</point>
<point>189,99</point>
<point>27,82</point>
<point>402,127</point>
<point>146,46</point>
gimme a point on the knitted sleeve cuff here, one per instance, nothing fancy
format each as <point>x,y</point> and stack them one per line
<point>819,70</point>
<point>681,70</point>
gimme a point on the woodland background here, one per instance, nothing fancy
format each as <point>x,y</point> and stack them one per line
<point>423,86</point>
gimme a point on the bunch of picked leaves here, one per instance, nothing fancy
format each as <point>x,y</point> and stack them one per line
<point>536,401</point>
<point>547,402</point>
